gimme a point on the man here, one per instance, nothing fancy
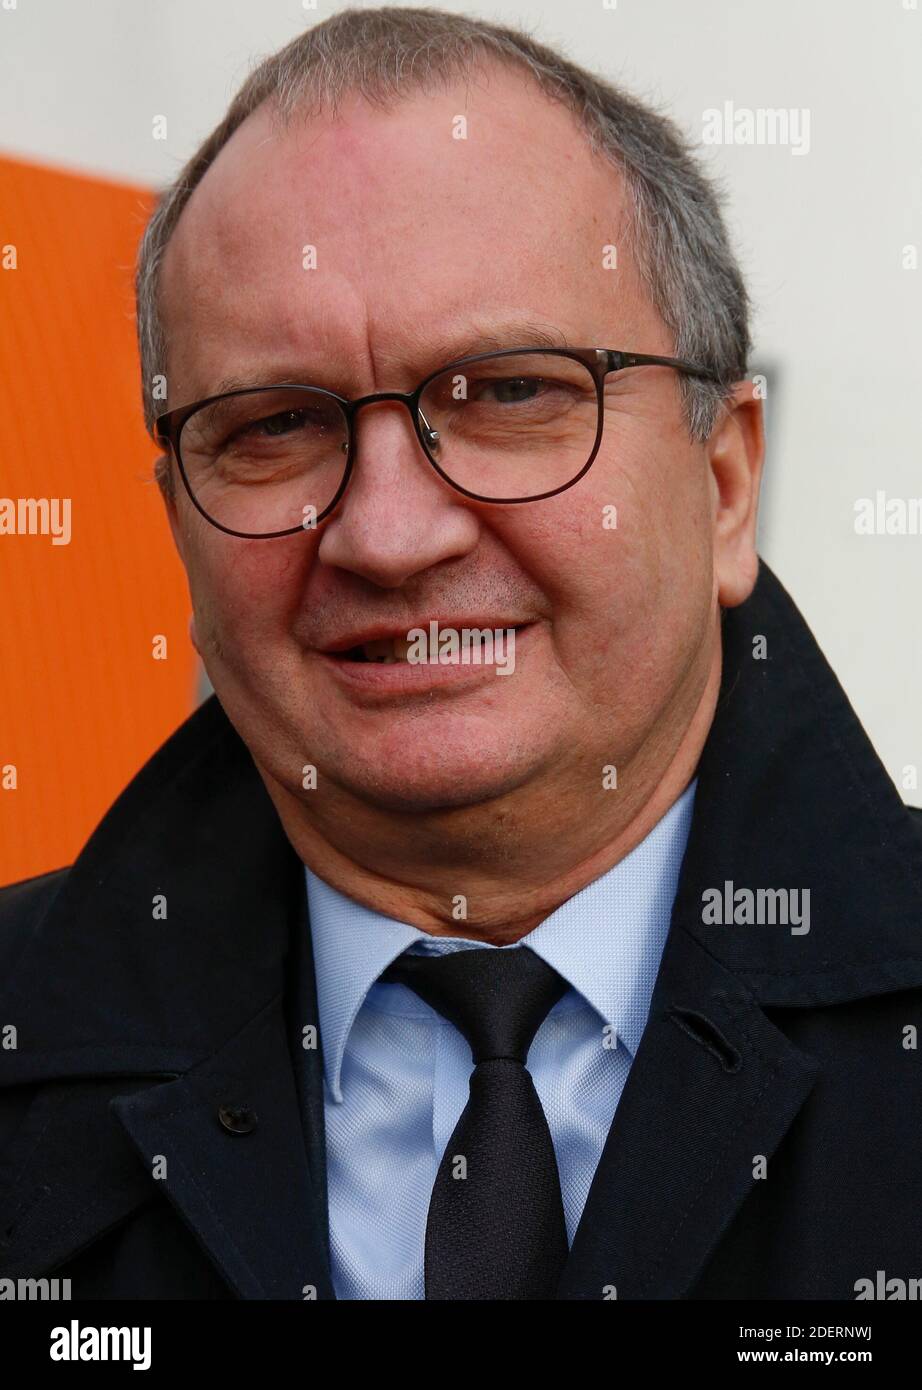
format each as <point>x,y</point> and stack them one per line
<point>527,915</point>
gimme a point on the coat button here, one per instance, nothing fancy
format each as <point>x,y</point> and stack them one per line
<point>237,1119</point>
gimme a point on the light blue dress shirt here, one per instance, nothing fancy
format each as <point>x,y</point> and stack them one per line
<point>396,1073</point>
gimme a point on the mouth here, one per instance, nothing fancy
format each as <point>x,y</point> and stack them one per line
<point>383,669</point>
<point>392,651</point>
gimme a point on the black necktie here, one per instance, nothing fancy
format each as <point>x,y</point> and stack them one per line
<point>495,1227</point>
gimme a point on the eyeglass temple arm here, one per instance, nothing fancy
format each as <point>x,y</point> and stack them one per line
<point>618,360</point>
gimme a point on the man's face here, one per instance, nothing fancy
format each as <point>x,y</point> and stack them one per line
<point>423,241</point>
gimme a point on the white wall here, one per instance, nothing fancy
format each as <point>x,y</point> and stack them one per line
<point>821,237</point>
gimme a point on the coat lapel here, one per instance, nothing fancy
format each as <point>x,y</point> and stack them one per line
<point>141,1027</point>
<point>93,1152</point>
<point>713,1088</point>
<point>68,1175</point>
<point>249,1197</point>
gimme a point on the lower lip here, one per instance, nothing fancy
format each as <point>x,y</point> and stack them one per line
<point>415,678</point>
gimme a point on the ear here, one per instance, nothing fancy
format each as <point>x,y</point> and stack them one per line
<point>735,451</point>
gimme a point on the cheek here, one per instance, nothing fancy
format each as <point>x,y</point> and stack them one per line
<point>662,539</point>
<point>244,592</point>
<point>667,534</point>
<point>625,561</point>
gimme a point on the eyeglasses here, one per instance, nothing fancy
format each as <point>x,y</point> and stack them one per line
<point>504,427</point>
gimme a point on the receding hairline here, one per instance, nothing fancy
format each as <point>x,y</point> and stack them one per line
<point>286,118</point>
<point>289,110</point>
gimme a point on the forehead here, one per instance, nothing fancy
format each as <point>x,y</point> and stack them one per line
<point>380,228</point>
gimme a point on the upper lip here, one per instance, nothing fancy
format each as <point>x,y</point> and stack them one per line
<point>376,632</point>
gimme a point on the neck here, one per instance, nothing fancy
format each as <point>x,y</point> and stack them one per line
<point>494,871</point>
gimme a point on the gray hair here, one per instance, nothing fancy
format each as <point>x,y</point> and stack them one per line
<point>674,212</point>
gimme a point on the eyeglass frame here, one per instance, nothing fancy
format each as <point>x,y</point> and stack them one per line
<point>601,362</point>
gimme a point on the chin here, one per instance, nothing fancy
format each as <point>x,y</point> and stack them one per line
<point>428,789</point>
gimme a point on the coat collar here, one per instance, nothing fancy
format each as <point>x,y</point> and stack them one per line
<point>149,1025</point>
<point>792,795</point>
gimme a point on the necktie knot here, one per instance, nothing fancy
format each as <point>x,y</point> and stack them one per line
<point>497,999</point>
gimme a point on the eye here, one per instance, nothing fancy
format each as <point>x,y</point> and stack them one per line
<point>512,389</point>
<point>282,423</point>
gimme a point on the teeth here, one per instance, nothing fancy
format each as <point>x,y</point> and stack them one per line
<point>386,650</point>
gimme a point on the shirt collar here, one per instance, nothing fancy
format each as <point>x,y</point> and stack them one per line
<point>606,941</point>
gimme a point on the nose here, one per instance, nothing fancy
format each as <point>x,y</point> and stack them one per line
<point>397,517</point>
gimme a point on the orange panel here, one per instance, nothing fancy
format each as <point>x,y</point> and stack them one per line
<point>82,701</point>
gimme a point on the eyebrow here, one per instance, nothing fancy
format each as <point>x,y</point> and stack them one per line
<point>486,338</point>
